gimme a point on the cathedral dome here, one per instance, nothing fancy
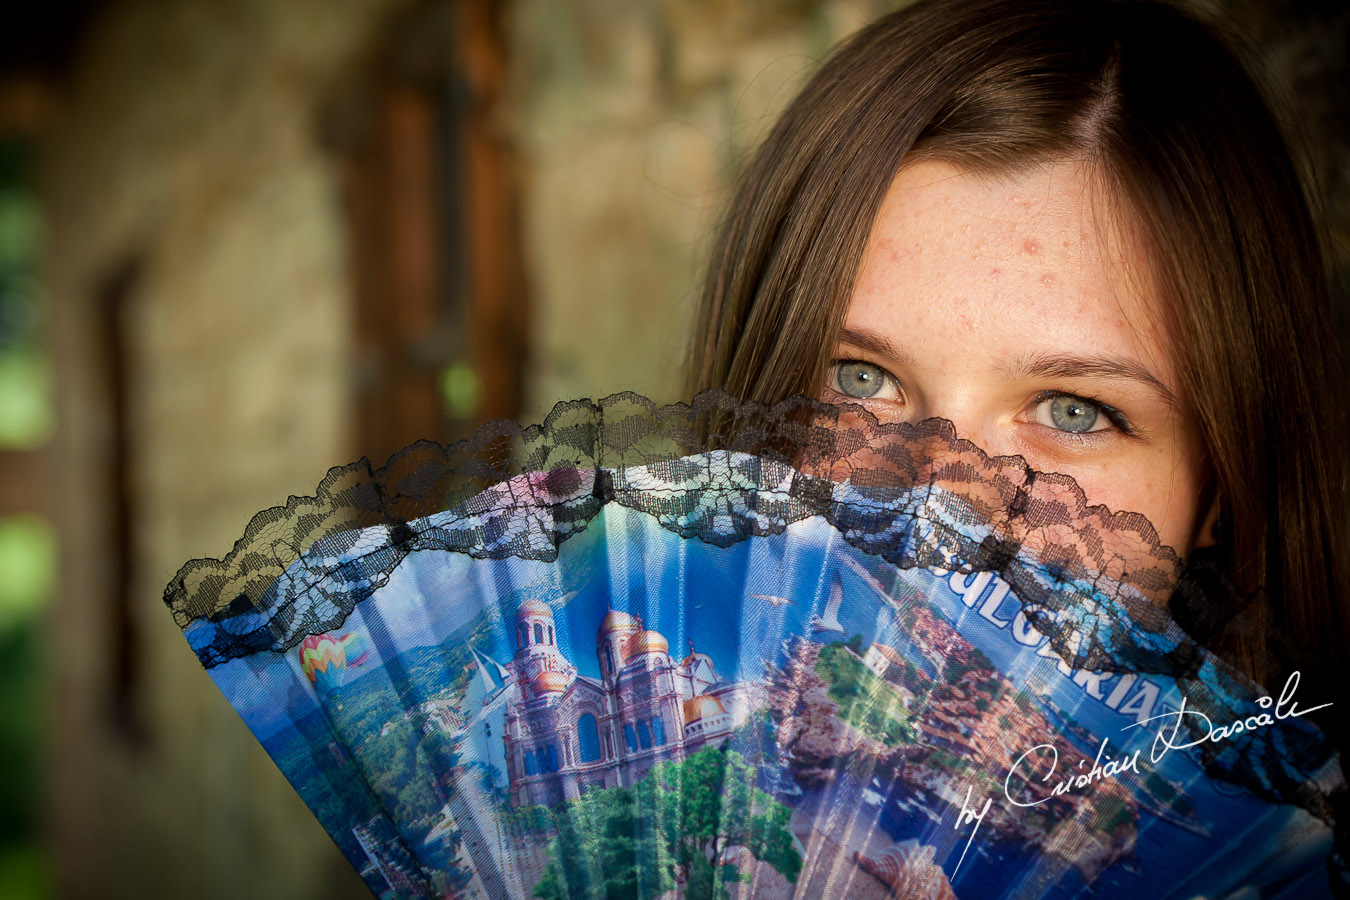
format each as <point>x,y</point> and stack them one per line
<point>532,607</point>
<point>648,642</point>
<point>705,706</point>
<point>695,657</point>
<point>618,621</point>
<point>550,683</point>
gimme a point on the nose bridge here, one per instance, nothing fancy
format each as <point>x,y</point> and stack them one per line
<point>966,406</point>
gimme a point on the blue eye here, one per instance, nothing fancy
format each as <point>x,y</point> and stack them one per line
<point>862,380</point>
<point>1071,414</point>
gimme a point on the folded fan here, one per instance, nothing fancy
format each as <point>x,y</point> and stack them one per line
<point>599,665</point>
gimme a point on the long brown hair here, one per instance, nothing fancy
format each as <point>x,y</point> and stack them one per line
<point>1170,116</point>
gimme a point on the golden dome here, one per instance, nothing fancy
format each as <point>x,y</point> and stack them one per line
<point>618,621</point>
<point>705,706</point>
<point>550,683</point>
<point>534,607</point>
<point>648,642</point>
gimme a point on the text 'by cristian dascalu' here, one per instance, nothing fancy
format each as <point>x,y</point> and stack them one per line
<point>986,608</point>
<point>1179,729</point>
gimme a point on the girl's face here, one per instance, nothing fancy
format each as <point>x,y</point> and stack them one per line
<point>1018,308</point>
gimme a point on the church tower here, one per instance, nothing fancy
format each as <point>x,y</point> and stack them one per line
<point>541,668</point>
<point>613,643</point>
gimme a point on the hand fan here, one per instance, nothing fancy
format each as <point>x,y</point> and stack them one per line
<point>720,650</point>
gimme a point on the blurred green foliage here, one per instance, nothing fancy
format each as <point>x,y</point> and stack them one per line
<point>26,416</point>
<point>27,569</point>
<point>28,554</point>
<point>24,872</point>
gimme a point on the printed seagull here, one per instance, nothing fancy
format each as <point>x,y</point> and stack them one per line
<point>772,598</point>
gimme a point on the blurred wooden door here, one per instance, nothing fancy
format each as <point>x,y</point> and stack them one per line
<point>432,207</point>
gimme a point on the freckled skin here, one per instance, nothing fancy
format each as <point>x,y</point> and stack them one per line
<point>970,276</point>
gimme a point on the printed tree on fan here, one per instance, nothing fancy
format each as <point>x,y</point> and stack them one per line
<point>712,804</point>
<point>674,825</point>
<point>602,851</point>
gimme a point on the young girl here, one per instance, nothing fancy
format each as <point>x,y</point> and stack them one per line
<point>1074,230</point>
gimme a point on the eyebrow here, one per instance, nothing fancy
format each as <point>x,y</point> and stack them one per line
<point>1072,366</point>
<point>873,342</point>
<point>1053,365</point>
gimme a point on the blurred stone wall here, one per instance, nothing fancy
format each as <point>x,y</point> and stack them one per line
<point>632,119</point>
<point>183,173</point>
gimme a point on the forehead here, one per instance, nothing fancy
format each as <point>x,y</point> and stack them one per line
<point>1039,261</point>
